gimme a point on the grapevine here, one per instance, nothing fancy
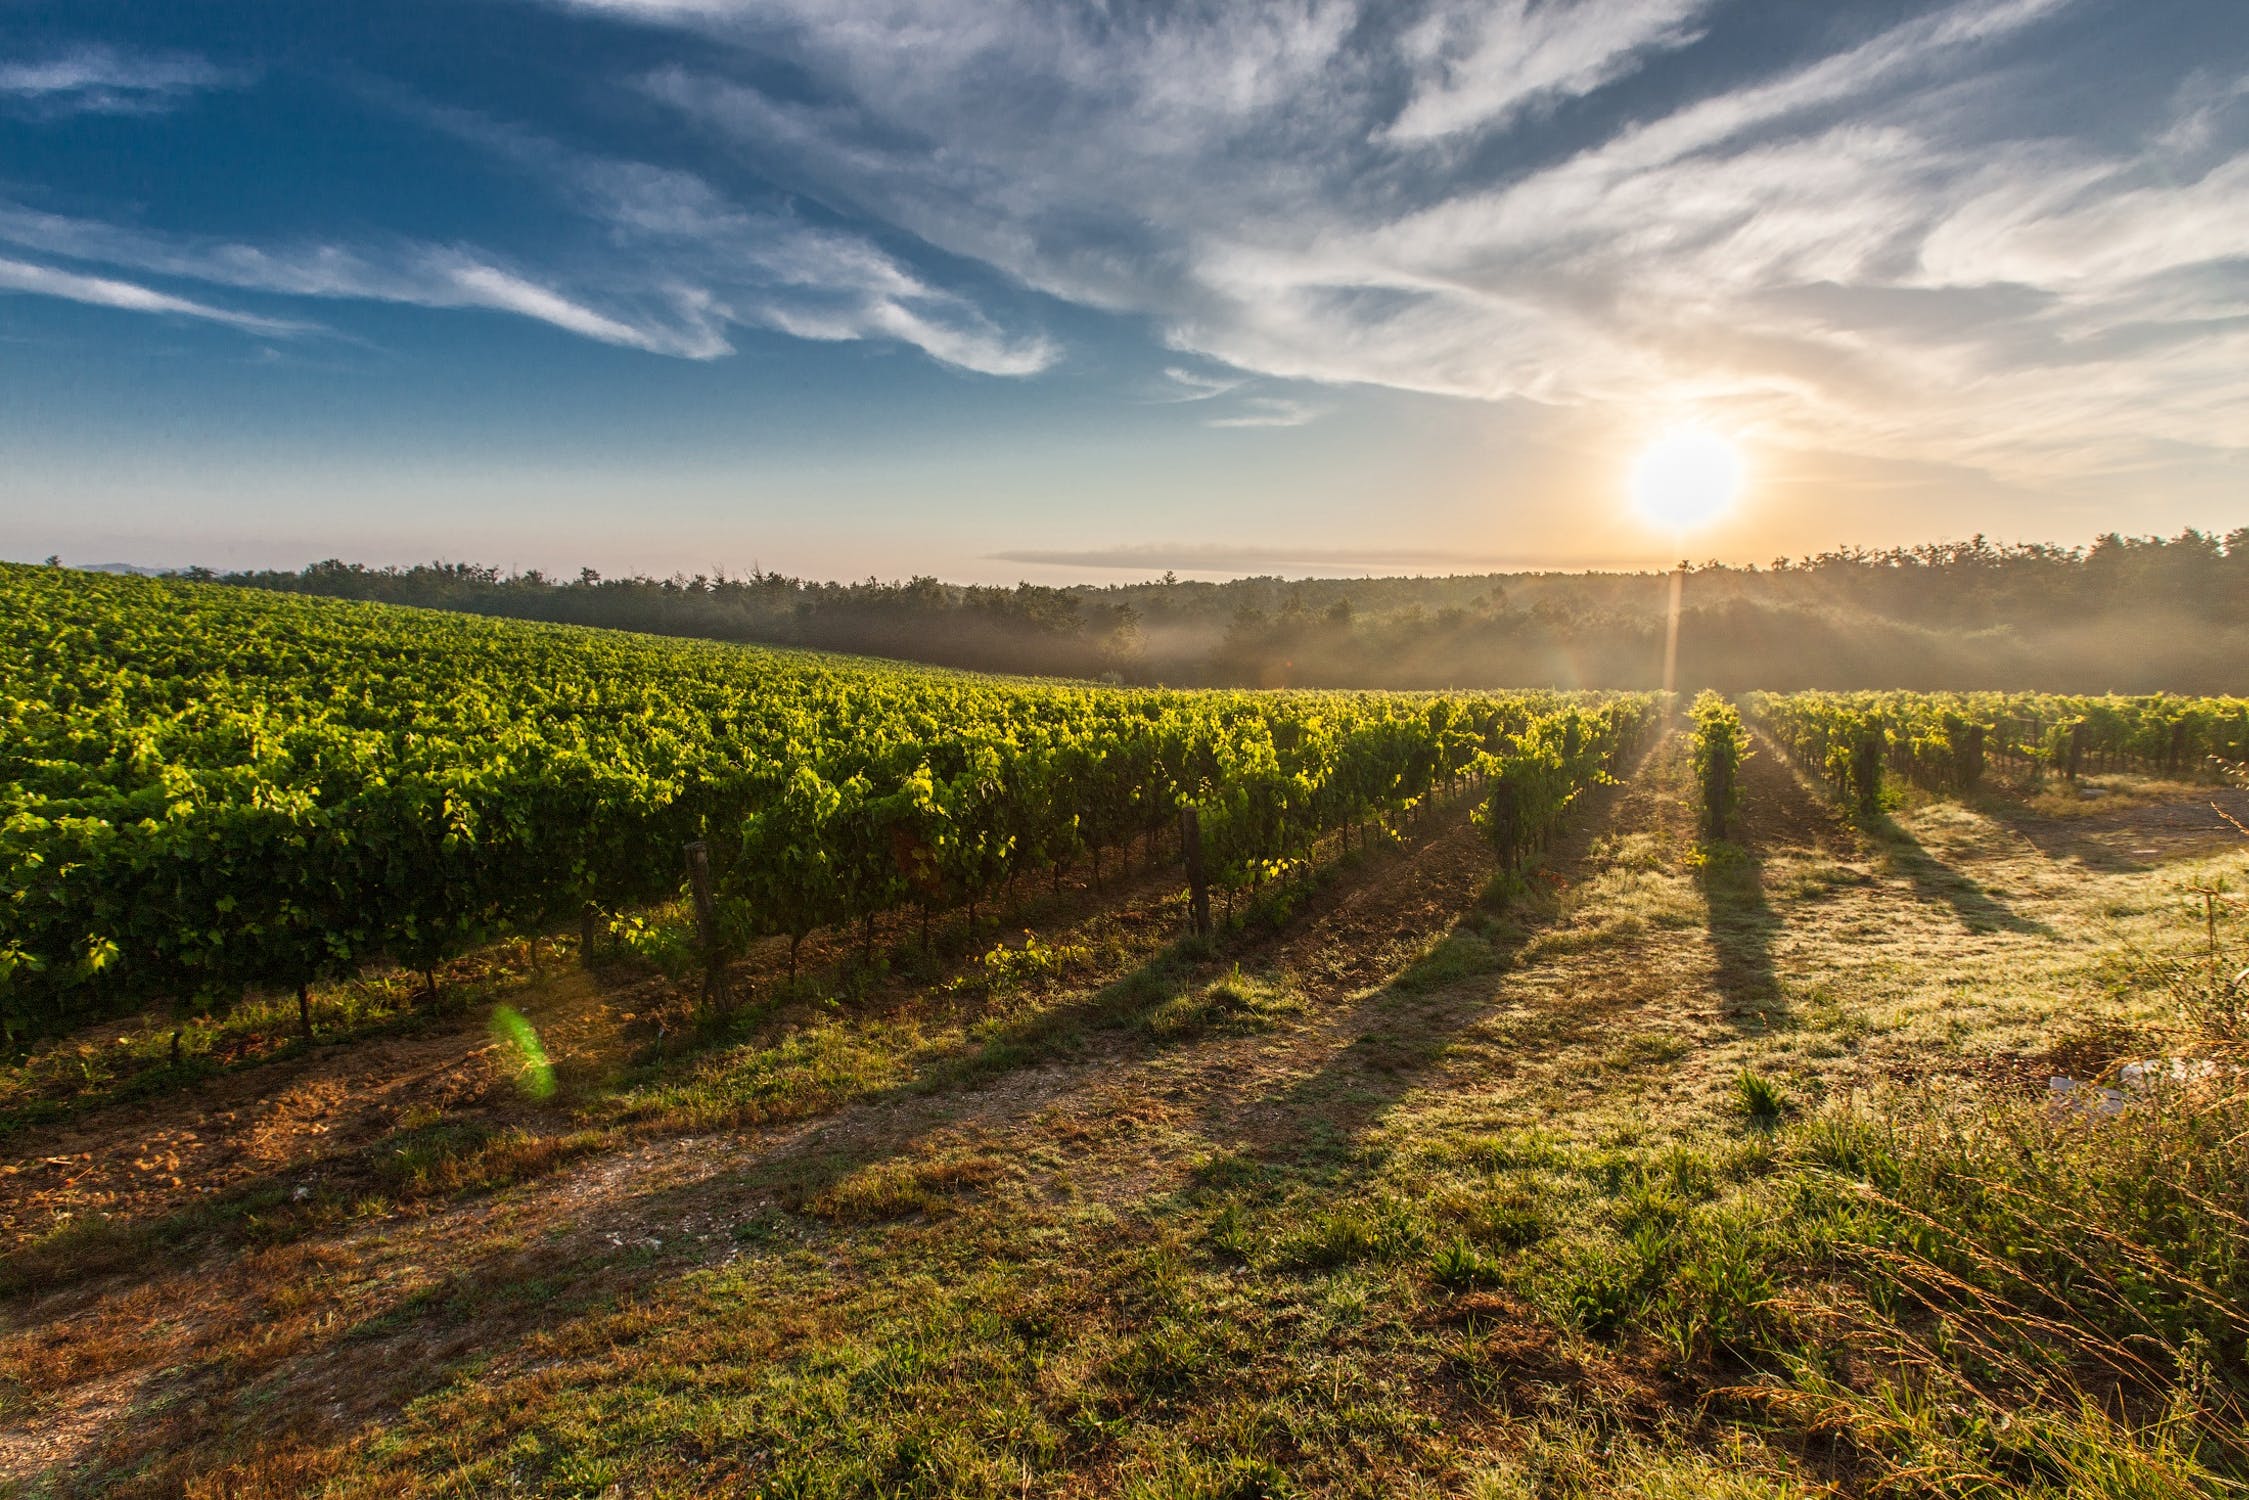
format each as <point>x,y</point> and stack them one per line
<point>210,791</point>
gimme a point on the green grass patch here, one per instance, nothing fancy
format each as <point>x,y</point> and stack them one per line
<point>1457,956</point>
<point>1232,1004</point>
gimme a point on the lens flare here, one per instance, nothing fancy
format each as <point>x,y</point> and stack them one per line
<point>1685,479</point>
<point>534,1071</point>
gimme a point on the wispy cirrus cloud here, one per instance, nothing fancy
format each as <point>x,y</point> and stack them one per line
<point>1868,239</point>
<point>104,291</point>
<point>1267,411</point>
<point>1482,66</point>
<point>767,268</point>
<point>459,281</point>
<point>672,268</point>
<point>94,79</point>
<point>1853,227</point>
<point>406,272</point>
<point>1242,405</point>
<point>1182,384</point>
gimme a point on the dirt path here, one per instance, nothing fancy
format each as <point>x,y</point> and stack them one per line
<point>155,1156</point>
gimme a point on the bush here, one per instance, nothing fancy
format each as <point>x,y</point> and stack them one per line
<point>1459,1265</point>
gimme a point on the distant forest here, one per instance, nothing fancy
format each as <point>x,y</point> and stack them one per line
<point>2127,614</point>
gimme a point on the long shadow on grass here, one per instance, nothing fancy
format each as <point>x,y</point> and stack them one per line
<point>1406,1029</point>
<point>2063,844</point>
<point>2126,840</point>
<point>1938,883</point>
<point>866,1160</point>
<point>401,1342</point>
<point>275,1207</point>
<point>1742,927</point>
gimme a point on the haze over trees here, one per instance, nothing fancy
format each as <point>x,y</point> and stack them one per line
<point>2126,614</point>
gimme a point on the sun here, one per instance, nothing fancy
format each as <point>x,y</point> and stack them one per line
<point>1685,479</point>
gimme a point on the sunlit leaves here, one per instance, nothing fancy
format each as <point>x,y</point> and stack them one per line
<point>208,790</point>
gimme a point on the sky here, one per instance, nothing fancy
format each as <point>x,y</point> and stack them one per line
<point>1085,290</point>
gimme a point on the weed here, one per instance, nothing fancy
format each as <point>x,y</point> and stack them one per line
<point>662,938</point>
<point>444,1159</point>
<point>1758,1098</point>
<point>1459,1265</point>
<point>890,1190</point>
<point>1008,968</point>
<point>1231,1236</point>
<point>1230,1004</point>
<point>1458,955</point>
<point>1351,1233</point>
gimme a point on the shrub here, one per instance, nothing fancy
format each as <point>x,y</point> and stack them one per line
<point>663,939</point>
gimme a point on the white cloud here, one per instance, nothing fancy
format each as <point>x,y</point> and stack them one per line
<point>104,291</point>
<point>1481,66</point>
<point>2091,226</point>
<point>1243,408</point>
<point>768,269</point>
<point>968,348</point>
<point>672,266</point>
<point>1267,411</point>
<point>768,272</point>
<point>1868,240</point>
<point>1192,385</point>
<point>480,285</point>
<point>1863,246</point>
<point>415,274</point>
<point>102,80</point>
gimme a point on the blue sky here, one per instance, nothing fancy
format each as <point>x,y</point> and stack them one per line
<point>997,289</point>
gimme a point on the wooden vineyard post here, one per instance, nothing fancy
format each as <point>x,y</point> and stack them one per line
<point>1198,886</point>
<point>706,926</point>
<point>2076,749</point>
<point>585,936</point>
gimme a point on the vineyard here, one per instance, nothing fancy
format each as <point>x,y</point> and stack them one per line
<point>981,1086</point>
<point>210,791</point>
<point>1946,742</point>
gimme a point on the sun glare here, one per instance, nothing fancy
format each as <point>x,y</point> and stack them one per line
<point>1686,479</point>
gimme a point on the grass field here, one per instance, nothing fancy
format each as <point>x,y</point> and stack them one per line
<point>1645,1179</point>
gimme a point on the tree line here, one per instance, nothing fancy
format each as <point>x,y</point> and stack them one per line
<point>2127,614</point>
